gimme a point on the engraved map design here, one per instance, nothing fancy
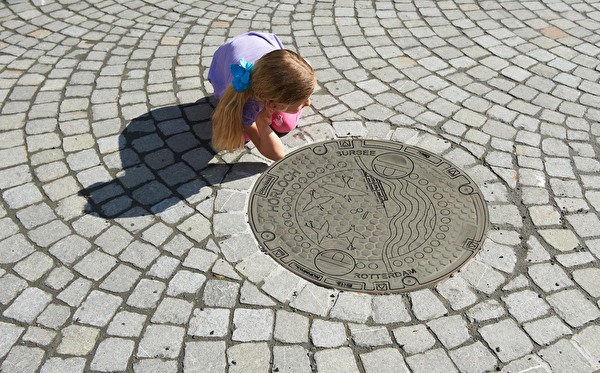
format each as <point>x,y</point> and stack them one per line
<point>368,215</point>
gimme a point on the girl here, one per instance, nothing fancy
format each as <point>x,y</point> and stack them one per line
<point>261,89</point>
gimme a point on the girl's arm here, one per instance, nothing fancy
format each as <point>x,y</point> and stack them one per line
<point>264,138</point>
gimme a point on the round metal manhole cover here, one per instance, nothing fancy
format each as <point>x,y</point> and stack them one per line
<point>368,215</point>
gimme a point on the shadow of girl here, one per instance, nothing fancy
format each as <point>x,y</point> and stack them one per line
<point>164,157</point>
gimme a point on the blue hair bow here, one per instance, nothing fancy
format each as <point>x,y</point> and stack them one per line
<point>241,75</point>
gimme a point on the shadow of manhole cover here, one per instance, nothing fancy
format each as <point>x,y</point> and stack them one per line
<point>368,215</point>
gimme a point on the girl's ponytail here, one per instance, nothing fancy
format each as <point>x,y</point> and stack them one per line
<point>228,132</point>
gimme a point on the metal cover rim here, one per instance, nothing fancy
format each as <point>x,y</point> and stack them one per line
<point>368,215</point>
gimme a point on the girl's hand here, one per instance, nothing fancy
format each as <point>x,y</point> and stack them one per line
<point>266,141</point>
<point>264,118</point>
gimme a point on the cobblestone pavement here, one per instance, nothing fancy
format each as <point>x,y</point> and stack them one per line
<point>124,244</point>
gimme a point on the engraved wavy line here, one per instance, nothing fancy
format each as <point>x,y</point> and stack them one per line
<point>390,250</point>
<point>414,223</point>
<point>408,233</point>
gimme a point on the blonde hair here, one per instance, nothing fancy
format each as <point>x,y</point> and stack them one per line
<point>281,76</point>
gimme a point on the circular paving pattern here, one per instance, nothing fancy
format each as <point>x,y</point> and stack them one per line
<point>368,215</point>
<point>124,242</point>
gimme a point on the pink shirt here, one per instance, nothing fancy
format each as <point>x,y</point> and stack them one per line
<point>251,46</point>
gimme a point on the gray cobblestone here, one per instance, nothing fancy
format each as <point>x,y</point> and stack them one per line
<point>173,311</point>
<point>546,331</point>
<point>414,339</point>
<point>370,336</point>
<point>473,358</point>
<point>549,277</point>
<point>205,356</point>
<point>146,294</point>
<point>314,299</point>
<point>177,211</point>
<point>238,248</point>
<point>573,307</point>
<point>9,336</point>
<point>505,214</point>
<point>8,228</point>
<point>544,215</point>
<point>506,339</point>
<point>200,259</point>
<point>526,305</point>
<point>155,365</point>
<point>426,306</point>
<point>161,341</point>
<point>338,360</point>
<point>250,294</point>
<point>82,160</point>
<point>126,324</point>
<point>451,330</point>
<point>589,280</point>
<point>352,307</point>
<point>54,316</point>
<point>35,215</point>
<point>291,327</point>
<point>256,267</point>
<point>14,248</point>
<point>219,293</point>
<point>431,361</point>
<point>95,265</point>
<point>139,254</point>
<point>47,234</point>
<point>112,354</point>
<point>560,239</point>
<point>588,340</point>
<point>113,240</point>
<point>384,360</point>
<point>457,291</point>
<point>210,322</point>
<point>224,269</point>
<point>390,309</point>
<point>89,226</point>
<point>585,225</point>
<point>327,333</point>
<point>163,267</point>
<point>70,248</point>
<point>282,284</point>
<point>252,325</point>
<point>34,266</point>
<point>57,364</point>
<point>23,359</point>
<point>13,156</point>
<point>249,357</point>
<point>498,256</point>
<point>157,234</point>
<point>77,340</point>
<point>225,224</point>
<point>121,279</point>
<point>97,309</point>
<point>74,294</point>
<point>575,259</point>
<point>293,359</point>
<point>482,277</point>
<point>536,252</point>
<point>11,287</point>
<point>564,356</point>
<point>28,305</point>
<point>185,282</point>
<point>39,336</point>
